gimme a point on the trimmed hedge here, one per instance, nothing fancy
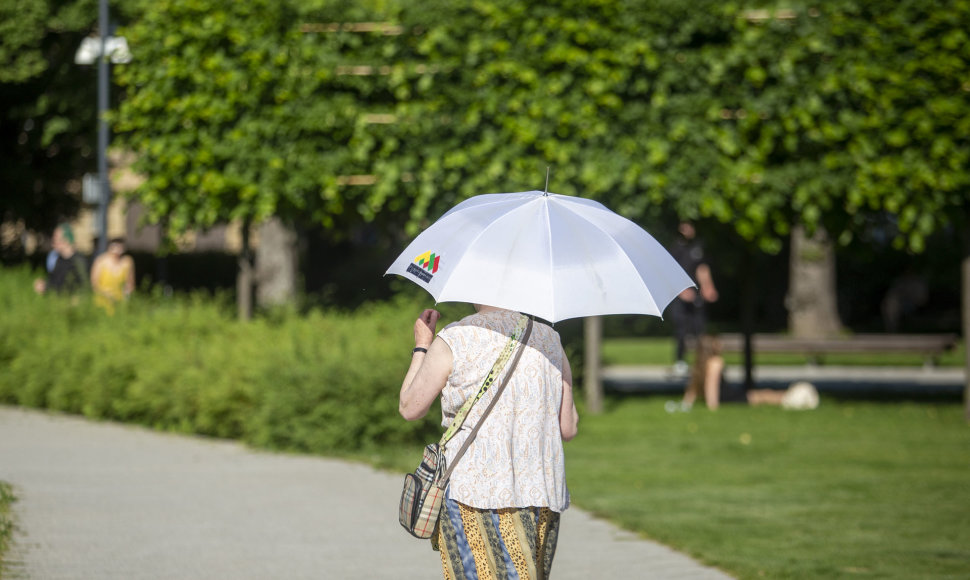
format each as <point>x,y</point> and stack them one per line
<point>320,382</point>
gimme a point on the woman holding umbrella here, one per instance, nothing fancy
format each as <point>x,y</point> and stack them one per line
<point>549,256</point>
<point>501,513</point>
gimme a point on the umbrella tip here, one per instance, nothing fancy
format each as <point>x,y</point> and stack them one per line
<point>546,192</point>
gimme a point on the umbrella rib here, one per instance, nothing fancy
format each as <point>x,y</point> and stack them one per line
<point>552,273</point>
<point>495,198</point>
<point>481,233</point>
<point>623,253</point>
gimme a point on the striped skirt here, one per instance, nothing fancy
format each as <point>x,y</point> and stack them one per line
<point>512,543</point>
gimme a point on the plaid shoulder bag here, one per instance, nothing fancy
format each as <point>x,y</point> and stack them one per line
<point>424,490</point>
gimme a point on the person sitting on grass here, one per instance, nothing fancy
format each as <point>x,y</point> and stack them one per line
<point>707,374</point>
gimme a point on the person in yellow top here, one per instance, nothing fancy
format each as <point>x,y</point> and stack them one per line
<point>112,276</point>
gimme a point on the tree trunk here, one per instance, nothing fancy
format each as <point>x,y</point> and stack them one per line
<point>749,290</point>
<point>276,264</point>
<point>811,301</point>
<point>965,302</point>
<point>592,383</point>
<point>244,279</point>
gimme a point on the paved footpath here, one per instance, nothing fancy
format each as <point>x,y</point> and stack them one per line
<point>114,502</point>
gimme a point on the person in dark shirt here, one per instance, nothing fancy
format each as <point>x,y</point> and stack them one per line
<point>70,272</point>
<point>687,310</point>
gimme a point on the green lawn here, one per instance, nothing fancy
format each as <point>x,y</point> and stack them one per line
<point>853,489</point>
<point>660,351</point>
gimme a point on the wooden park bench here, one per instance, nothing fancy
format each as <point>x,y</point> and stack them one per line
<point>930,346</point>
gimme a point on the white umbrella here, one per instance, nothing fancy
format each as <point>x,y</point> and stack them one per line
<point>552,256</point>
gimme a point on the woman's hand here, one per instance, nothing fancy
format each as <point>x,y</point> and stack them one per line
<point>429,371</point>
<point>424,328</point>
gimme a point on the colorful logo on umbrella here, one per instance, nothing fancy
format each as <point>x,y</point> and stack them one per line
<point>425,266</point>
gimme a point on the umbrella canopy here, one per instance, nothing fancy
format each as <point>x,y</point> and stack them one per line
<point>552,256</point>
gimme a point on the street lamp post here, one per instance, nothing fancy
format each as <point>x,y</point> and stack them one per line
<point>101,50</point>
<point>105,183</point>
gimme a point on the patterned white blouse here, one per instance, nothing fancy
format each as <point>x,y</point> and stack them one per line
<point>516,460</point>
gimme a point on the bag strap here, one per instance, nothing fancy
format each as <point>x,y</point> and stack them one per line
<point>503,358</point>
<point>523,340</point>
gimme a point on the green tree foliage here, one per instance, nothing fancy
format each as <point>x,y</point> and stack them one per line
<point>199,105</point>
<point>345,160</point>
<point>253,110</point>
<point>761,118</point>
<point>435,103</point>
<point>509,89</point>
<point>21,53</point>
<point>912,143</point>
<point>47,108</point>
<point>826,115</point>
<point>758,117</point>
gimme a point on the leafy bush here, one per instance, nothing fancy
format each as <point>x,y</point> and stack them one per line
<point>6,520</point>
<point>320,382</point>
